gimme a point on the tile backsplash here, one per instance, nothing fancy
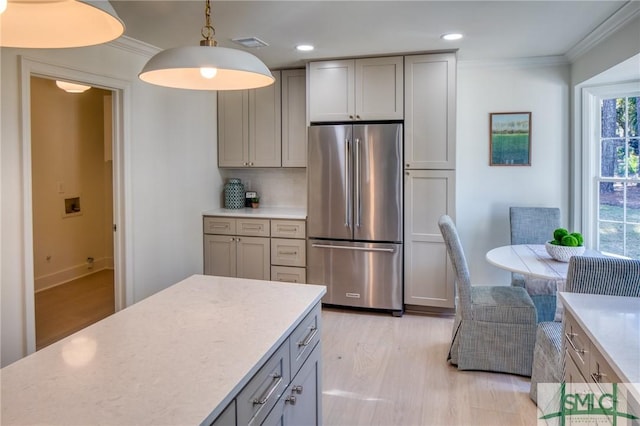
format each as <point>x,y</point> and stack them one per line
<point>276,187</point>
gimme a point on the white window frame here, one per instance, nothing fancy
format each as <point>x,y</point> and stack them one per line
<point>591,117</point>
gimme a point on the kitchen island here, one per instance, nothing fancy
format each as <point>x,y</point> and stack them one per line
<point>180,356</point>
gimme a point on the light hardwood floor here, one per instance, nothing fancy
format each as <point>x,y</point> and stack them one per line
<point>69,307</point>
<point>381,370</point>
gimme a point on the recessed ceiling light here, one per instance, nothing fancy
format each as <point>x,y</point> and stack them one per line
<point>451,36</point>
<point>304,47</point>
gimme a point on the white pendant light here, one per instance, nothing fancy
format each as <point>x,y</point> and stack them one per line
<point>58,23</point>
<point>206,67</point>
<point>69,87</point>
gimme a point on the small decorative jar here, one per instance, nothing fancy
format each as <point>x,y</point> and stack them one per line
<point>234,194</point>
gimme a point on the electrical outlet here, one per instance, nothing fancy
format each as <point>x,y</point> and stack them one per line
<point>90,262</point>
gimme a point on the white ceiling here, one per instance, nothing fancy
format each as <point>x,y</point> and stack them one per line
<point>494,30</point>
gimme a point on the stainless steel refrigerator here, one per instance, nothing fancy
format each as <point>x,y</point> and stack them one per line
<point>354,175</point>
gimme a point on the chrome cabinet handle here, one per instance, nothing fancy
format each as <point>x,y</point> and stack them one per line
<point>312,333</point>
<point>277,378</point>
<point>569,337</point>
<point>290,400</point>
<point>290,253</point>
<point>297,389</point>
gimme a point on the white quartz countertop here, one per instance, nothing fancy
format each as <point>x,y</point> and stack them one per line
<point>261,212</point>
<point>613,325</point>
<point>175,358</point>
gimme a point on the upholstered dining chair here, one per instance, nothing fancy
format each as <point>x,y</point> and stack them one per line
<point>595,275</point>
<point>535,225</point>
<point>494,327</point>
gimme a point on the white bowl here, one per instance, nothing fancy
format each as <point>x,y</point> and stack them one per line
<point>563,253</point>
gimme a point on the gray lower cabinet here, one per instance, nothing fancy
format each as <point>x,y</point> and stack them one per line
<point>237,247</point>
<point>287,389</point>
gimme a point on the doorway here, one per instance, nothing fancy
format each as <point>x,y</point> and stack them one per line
<point>72,207</point>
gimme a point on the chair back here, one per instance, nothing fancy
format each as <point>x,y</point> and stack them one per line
<point>459,262</point>
<point>533,225</point>
<point>604,275</point>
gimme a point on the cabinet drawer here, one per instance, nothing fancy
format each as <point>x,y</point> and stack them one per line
<point>577,344</point>
<point>572,373</point>
<point>219,225</point>
<point>288,252</point>
<point>304,338</point>
<point>253,227</point>
<point>288,229</point>
<point>599,370</point>
<point>288,274</point>
<point>265,388</point>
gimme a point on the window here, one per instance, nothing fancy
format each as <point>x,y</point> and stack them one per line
<point>616,189</point>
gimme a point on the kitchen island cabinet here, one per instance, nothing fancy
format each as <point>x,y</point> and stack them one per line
<point>181,356</point>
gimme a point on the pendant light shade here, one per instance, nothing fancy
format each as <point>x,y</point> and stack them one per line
<point>58,23</point>
<point>206,67</point>
<point>182,68</point>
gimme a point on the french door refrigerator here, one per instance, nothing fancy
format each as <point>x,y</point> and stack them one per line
<point>354,175</point>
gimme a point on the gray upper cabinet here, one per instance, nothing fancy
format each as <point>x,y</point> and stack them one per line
<point>249,127</point>
<point>294,120</point>
<point>356,89</point>
<point>430,108</point>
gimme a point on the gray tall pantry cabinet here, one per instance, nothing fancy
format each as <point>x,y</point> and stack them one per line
<point>429,153</point>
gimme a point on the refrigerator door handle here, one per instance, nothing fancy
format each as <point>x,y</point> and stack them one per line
<point>358,207</point>
<point>328,246</point>
<point>347,191</point>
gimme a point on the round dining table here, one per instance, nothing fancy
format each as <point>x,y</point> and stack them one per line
<point>531,260</point>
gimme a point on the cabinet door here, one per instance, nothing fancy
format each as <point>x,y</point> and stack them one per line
<point>228,416</point>
<point>253,258</point>
<point>233,128</point>
<point>428,275</point>
<point>331,90</point>
<point>305,393</point>
<point>265,131</point>
<point>294,121</point>
<point>220,255</point>
<point>379,88</point>
<point>430,111</point>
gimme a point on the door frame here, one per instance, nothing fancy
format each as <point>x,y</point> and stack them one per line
<point>122,243</point>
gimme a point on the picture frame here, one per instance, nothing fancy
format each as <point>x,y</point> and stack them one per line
<point>510,139</point>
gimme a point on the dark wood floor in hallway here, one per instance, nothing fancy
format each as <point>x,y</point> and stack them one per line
<point>69,307</point>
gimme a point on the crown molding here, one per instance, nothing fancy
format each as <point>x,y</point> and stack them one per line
<point>620,17</point>
<point>134,46</point>
<point>531,62</point>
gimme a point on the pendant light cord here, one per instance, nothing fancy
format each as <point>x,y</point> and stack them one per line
<point>208,31</point>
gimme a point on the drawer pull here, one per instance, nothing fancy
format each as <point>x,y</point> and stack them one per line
<point>312,333</point>
<point>252,227</point>
<point>219,226</point>
<point>569,337</point>
<point>297,389</point>
<point>290,400</point>
<point>287,228</point>
<point>277,378</point>
<point>288,253</point>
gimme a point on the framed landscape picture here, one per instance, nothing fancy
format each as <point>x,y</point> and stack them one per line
<point>510,139</point>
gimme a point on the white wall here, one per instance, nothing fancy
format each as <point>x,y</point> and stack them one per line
<point>483,193</point>
<point>170,178</point>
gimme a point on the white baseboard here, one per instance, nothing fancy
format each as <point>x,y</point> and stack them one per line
<point>48,281</point>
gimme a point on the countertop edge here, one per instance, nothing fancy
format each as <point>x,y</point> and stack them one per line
<point>261,213</point>
<point>567,303</point>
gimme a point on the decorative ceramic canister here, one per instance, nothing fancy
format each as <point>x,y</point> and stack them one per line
<point>234,194</point>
